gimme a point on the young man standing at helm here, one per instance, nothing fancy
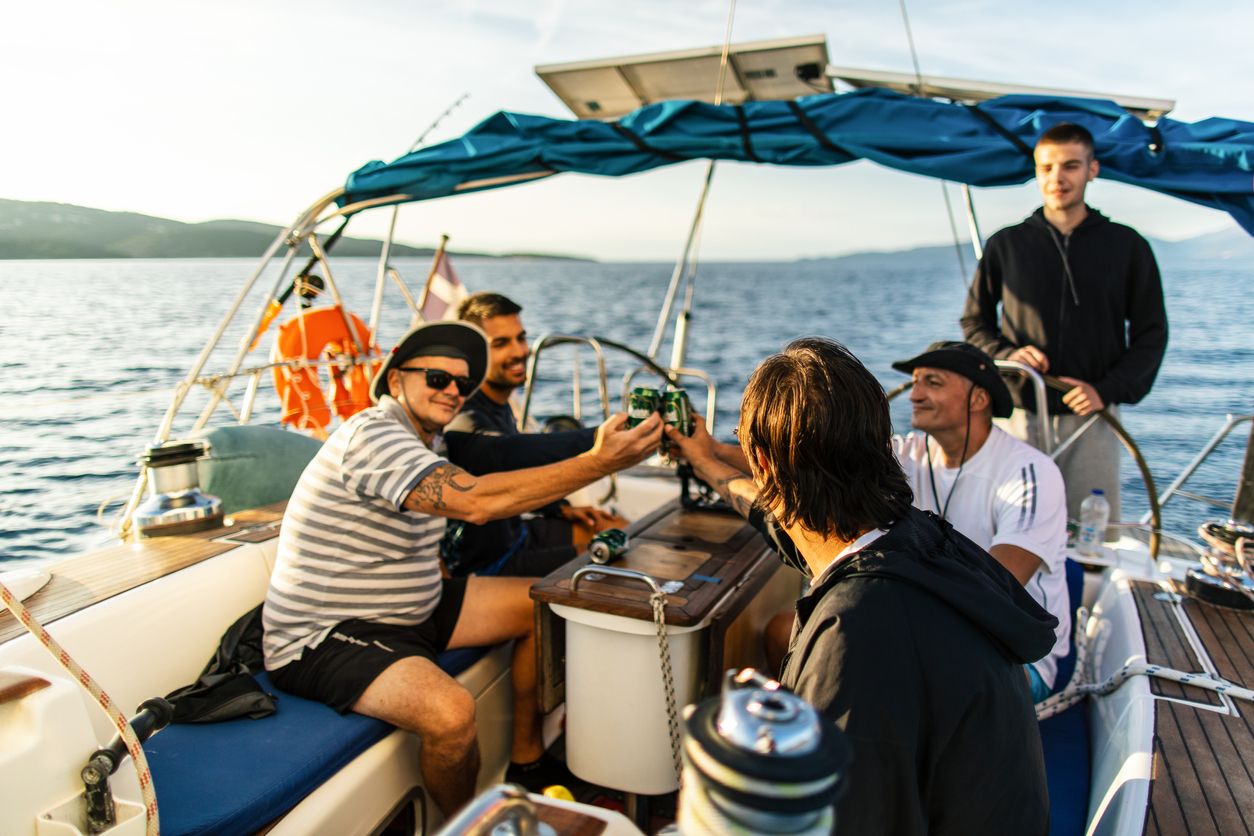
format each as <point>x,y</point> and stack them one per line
<point>1081,299</point>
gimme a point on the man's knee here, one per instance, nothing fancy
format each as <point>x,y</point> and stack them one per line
<point>417,696</point>
<point>507,599</point>
<point>449,723</point>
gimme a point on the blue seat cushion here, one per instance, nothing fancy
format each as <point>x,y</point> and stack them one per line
<point>236,777</point>
<point>1065,740</point>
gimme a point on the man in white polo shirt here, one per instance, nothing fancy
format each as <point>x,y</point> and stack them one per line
<point>1005,495</point>
<point>357,609</point>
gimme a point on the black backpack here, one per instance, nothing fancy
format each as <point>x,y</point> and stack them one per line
<point>226,688</point>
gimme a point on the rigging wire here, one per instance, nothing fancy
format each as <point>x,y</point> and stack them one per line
<point>690,284</point>
<point>953,230</point>
<point>682,273</point>
<point>914,55</point>
<point>918,91</point>
<point>417,143</point>
<point>722,66</point>
<point>385,266</point>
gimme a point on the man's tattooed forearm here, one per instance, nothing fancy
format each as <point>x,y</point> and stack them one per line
<point>430,489</point>
<point>740,504</point>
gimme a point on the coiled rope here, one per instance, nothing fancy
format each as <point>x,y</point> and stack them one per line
<point>1081,687</point>
<point>119,720</point>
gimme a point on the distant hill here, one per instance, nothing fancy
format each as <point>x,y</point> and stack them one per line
<point>62,230</point>
<point>1233,244</point>
<point>1224,246</point>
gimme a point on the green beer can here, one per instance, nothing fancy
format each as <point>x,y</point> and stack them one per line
<point>607,545</point>
<point>676,412</point>
<point>641,403</point>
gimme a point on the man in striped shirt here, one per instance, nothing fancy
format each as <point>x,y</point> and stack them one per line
<point>357,609</point>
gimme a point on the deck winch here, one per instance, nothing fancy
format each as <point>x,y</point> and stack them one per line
<point>175,503</point>
<point>758,759</point>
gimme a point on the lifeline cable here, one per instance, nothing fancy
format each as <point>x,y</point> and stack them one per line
<point>133,746</point>
<point>1081,688</point>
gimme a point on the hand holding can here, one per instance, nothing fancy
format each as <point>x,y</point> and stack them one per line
<point>677,413</point>
<point>641,403</point>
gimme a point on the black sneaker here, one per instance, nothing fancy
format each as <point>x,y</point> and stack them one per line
<point>536,776</point>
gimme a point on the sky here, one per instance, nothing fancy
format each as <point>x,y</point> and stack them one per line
<point>252,109</point>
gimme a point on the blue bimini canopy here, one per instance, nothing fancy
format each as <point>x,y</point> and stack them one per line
<point>1210,162</point>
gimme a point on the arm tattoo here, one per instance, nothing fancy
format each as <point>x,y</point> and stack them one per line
<point>739,504</point>
<point>429,492</point>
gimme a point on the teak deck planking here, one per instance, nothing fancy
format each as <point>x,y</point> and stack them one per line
<point>78,582</point>
<point>1203,767</point>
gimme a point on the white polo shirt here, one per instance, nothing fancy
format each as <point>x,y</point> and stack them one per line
<point>1008,492</point>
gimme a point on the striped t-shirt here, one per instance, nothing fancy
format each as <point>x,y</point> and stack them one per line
<point>348,548</point>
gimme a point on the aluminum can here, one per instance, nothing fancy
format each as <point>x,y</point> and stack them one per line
<point>607,545</point>
<point>676,412</point>
<point>641,403</point>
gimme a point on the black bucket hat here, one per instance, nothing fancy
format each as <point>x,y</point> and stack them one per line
<point>971,363</point>
<point>457,339</point>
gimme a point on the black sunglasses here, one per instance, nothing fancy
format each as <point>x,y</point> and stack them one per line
<point>439,379</point>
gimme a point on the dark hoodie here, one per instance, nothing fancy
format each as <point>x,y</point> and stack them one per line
<point>1092,301</point>
<point>915,647</point>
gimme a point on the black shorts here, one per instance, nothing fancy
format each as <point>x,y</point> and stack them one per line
<point>354,654</point>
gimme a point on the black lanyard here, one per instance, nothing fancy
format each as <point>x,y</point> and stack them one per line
<point>931,474</point>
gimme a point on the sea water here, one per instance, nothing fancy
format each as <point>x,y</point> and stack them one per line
<point>91,353</point>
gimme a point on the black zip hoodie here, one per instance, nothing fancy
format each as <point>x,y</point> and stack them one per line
<point>915,647</point>
<point>1092,301</point>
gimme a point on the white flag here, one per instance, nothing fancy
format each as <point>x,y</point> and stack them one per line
<point>444,293</point>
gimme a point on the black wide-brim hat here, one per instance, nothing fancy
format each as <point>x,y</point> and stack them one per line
<point>437,339</point>
<point>968,361</point>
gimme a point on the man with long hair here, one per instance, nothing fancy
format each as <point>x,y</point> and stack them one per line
<point>911,638</point>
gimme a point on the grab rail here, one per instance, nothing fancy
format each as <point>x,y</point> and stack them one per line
<point>1038,389</point>
<point>601,569</point>
<point>602,385</point>
<point>533,361</point>
<point>548,340</point>
<point>1231,422</point>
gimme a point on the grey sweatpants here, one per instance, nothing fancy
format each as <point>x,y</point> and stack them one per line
<point>1092,461</point>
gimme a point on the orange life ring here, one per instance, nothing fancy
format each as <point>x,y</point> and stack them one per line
<point>316,334</point>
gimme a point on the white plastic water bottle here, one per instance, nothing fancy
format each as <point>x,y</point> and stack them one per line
<point>1094,514</point>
